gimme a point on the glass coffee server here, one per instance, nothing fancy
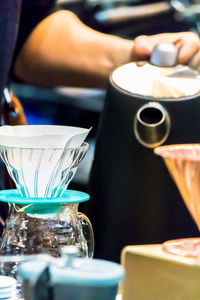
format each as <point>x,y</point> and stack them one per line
<point>43,213</point>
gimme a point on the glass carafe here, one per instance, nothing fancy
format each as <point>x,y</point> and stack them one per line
<point>39,225</point>
<point>43,215</point>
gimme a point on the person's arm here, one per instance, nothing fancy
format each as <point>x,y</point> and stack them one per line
<point>62,51</point>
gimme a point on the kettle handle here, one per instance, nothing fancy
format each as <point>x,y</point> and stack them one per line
<point>87,232</point>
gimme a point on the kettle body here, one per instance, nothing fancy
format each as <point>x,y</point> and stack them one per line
<point>134,200</point>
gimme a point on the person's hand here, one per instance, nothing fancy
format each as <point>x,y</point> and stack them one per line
<point>188,42</point>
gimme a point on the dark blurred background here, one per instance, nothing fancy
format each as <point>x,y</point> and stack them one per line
<point>82,107</point>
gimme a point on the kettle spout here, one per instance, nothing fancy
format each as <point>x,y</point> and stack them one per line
<point>152,125</point>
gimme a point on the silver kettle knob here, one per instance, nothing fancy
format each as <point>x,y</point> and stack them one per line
<point>164,55</point>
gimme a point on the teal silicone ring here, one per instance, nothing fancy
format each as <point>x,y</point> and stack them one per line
<point>69,196</point>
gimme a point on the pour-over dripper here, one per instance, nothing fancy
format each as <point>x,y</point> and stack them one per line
<point>44,173</point>
<point>42,160</point>
<point>183,163</point>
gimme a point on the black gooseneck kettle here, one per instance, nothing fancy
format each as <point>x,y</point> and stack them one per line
<point>134,200</point>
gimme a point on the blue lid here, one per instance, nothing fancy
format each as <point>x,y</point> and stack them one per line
<point>69,196</point>
<point>87,272</point>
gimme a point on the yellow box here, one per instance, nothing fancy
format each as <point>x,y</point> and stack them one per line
<point>152,274</point>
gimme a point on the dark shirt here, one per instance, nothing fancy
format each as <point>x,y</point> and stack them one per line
<point>32,13</point>
<point>17,20</point>
<point>9,23</point>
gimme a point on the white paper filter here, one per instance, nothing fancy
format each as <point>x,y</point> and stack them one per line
<point>39,158</point>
